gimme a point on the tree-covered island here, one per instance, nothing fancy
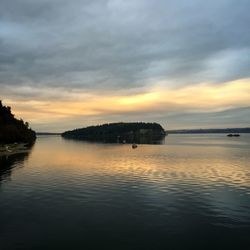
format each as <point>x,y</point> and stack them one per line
<point>134,132</point>
<point>13,130</point>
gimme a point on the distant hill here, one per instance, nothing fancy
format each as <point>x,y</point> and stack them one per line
<point>138,132</point>
<point>210,131</point>
<point>12,129</point>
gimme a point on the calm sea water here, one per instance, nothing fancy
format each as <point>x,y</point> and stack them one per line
<point>192,192</point>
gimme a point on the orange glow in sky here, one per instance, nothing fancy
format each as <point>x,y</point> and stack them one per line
<point>203,97</point>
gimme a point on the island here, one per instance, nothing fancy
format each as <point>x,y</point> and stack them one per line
<point>132,132</point>
<point>15,134</point>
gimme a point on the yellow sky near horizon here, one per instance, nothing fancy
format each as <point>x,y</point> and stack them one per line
<point>204,97</point>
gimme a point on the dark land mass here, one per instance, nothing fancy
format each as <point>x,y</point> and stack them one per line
<point>210,131</point>
<point>14,130</point>
<point>134,132</point>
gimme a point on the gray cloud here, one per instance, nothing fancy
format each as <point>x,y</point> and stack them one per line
<point>236,117</point>
<point>169,120</point>
<point>50,49</point>
<point>112,45</point>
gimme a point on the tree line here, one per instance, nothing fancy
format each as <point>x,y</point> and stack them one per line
<point>12,129</point>
<point>118,132</point>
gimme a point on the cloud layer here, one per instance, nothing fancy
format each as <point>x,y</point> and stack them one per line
<point>60,50</point>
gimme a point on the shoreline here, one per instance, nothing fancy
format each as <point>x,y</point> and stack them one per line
<point>14,148</point>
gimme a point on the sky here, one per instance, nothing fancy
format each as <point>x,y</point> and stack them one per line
<point>70,64</point>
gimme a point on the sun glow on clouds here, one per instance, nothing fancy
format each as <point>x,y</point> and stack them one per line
<point>203,97</point>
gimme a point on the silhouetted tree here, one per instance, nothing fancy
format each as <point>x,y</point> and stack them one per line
<point>115,132</point>
<point>12,129</point>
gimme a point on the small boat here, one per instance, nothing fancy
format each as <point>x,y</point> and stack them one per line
<point>236,135</point>
<point>134,145</point>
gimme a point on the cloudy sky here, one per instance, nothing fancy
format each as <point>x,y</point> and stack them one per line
<point>182,63</point>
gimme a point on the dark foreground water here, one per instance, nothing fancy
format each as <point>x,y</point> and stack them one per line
<point>191,193</point>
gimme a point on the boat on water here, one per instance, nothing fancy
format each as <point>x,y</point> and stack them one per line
<point>231,135</point>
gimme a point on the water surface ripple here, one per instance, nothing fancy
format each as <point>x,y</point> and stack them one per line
<point>192,192</point>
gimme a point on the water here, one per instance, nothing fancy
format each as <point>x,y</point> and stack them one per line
<point>192,192</point>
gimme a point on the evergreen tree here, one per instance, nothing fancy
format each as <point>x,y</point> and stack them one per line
<point>12,129</point>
